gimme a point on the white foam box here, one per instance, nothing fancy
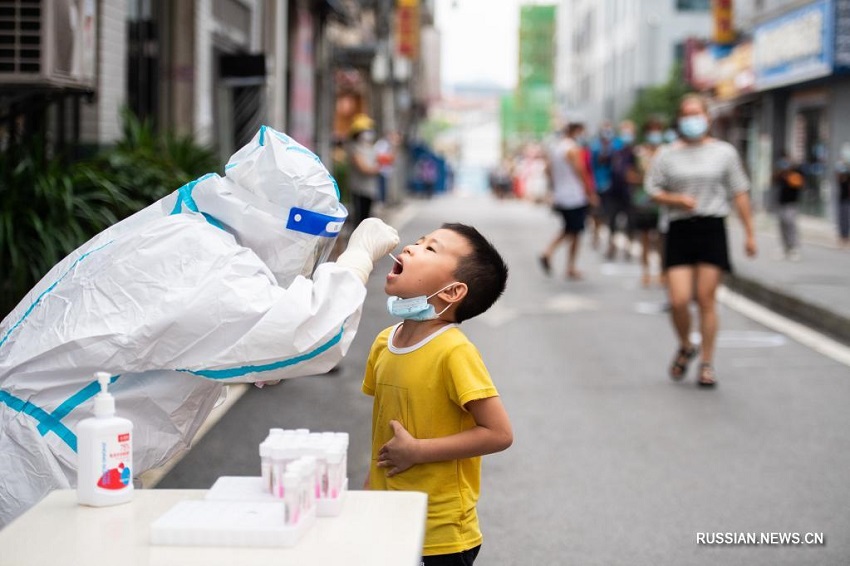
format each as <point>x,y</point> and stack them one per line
<point>228,523</point>
<point>332,507</point>
<point>240,488</point>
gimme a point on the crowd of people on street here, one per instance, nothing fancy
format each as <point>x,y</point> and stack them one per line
<point>601,180</point>
<point>672,195</point>
<point>670,190</point>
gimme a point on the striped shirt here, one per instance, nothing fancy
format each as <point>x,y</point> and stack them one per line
<point>711,172</point>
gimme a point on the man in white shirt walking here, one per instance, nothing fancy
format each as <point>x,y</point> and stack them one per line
<point>572,194</point>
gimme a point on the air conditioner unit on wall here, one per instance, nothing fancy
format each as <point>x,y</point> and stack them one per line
<point>48,43</point>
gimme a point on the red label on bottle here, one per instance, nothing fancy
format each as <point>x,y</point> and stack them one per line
<point>116,478</point>
<point>124,437</point>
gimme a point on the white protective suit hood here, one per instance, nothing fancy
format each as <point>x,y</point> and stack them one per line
<point>289,216</point>
<point>204,287</point>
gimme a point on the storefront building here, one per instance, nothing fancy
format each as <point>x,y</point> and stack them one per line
<point>794,98</point>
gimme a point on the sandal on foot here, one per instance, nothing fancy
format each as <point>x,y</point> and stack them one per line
<point>706,375</point>
<point>680,363</point>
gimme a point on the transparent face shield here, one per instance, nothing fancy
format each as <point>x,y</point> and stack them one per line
<point>317,234</point>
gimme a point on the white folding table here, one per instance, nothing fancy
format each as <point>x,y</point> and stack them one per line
<point>374,528</point>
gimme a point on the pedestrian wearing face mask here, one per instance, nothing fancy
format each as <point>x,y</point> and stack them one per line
<point>436,410</point>
<point>789,184</point>
<point>602,147</point>
<point>842,179</point>
<point>572,194</point>
<point>623,176</point>
<point>698,177</point>
<point>645,212</point>
<point>364,168</point>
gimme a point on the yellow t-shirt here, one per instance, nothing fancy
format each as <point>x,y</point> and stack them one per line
<point>425,387</point>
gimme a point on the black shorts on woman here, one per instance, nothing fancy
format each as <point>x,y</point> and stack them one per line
<point>695,240</point>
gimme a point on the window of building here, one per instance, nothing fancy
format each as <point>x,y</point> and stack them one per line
<point>679,53</point>
<point>693,5</point>
<point>143,63</point>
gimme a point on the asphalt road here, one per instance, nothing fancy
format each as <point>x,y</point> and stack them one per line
<point>613,463</point>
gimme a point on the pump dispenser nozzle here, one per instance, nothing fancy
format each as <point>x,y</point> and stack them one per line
<point>104,403</point>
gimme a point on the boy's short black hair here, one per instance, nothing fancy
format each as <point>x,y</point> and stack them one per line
<point>483,270</point>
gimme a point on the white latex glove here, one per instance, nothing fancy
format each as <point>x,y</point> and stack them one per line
<point>370,241</point>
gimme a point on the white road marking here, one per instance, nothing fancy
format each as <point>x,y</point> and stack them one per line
<point>749,339</point>
<point>500,314</point>
<point>804,335</point>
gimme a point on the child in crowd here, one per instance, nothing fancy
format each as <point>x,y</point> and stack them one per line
<point>436,410</point>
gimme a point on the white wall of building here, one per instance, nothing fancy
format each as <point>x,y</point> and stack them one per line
<point>204,72</point>
<point>100,122</point>
<point>608,49</point>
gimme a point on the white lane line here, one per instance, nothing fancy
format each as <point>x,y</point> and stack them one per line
<point>804,335</point>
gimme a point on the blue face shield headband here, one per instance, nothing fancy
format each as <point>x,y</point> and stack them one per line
<point>416,308</point>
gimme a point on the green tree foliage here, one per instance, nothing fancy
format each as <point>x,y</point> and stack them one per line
<point>49,208</point>
<point>661,101</point>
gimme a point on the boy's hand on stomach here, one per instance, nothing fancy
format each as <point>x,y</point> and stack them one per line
<point>399,454</point>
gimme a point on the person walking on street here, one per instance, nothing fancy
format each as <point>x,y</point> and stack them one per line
<point>385,150</point>
<point>789,183</point>
<point>843,181</point>
<point>697,177</point>
<point>623,177</point>
<point>363,168</point>
<point>602,147</point>
<point>645,212</point>
<point>572,195</point>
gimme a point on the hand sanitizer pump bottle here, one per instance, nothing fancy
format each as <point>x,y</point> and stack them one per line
<point>104,453</point>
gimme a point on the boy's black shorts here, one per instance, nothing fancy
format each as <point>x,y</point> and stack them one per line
<point>465,558</point>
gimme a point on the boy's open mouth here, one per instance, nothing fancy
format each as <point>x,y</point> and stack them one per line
<point>397,268</point>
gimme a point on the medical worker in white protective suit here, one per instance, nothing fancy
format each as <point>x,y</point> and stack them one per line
<point>222,281</point>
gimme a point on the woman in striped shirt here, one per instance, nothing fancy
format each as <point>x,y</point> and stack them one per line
<point>698,177</point>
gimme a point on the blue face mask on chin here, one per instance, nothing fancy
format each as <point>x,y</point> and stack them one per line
<point>416,308</point>
<point>693,127</point>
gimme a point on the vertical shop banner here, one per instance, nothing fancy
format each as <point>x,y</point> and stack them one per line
<point>407,28</point>
<point>87,65</point>
<point>302,109</point>
<point>724,26</point>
